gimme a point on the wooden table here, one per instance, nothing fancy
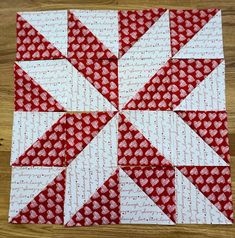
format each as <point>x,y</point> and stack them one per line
<point>8,9</point>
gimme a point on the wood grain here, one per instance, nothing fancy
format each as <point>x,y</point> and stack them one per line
<point>8,11</point>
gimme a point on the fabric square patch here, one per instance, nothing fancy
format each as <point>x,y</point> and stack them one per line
<point>41,35</point>
<point>92,34</point>
<point>147,195</point>
<point>39,139</point>
<point>196,34</point>
<point>206,192</point>
<point>37,195</point>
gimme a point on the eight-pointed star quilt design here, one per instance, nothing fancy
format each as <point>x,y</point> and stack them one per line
<point>119,118</point>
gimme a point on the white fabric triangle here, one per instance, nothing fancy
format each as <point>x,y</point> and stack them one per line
<point>207,43</point>
<point>27,183</point>
<point>90,169</point>
<point>52,25</point>
<point>83,96</point>
<point>174,138</point>
<point>209,94</point>
<point>28,127</point>
<point>136,207</point>
<point>144,59</point>
<point>193,207</point>
<point>103,24</point>
<point>51,75</point>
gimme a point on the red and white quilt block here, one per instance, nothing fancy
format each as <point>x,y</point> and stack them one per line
<point>41,35</point>
<point>196,34</point>
<point>39,139</point>
<point>120,118</point>
<point>92,34</point>
<point>147,195</point>
<point>134,24</point>
<point>37,195</point>
<point>206,192</point>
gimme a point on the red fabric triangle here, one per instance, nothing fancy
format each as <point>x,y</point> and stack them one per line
<point>156,94</point>
<point>158,184</point>
<point>212,127</point>
<point>102,208</point>
<point>214,183</point>
<point>81,129</point>
<point>31,45</point>
<point>187,74</point>
<point>30,96</point>
<point>47,207</point>
<point>103,75</point>
<point>82,44</point>
<point>134,149</point>
<point>48,150</point>
<point>133,24</point>
<point>184,24</point>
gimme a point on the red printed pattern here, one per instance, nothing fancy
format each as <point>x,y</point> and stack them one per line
<point>184,24</point>
<point>214,183</point>
<point>158,184</point>
<point>30,96</point>
<point>31,45</point>
<point>187,75</point>
<point>82,44</point>
<point>47,207</point>
<point>49,150</point>
<point>134,149</point>
<point>103,75</point>
<point>156,94</point>
<point>212,127</point>
<point>81,129</point>
<point>102,208</point>
<point>133,24</point>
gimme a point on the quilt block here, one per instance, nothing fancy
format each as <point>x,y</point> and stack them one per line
<point>120,118</point>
